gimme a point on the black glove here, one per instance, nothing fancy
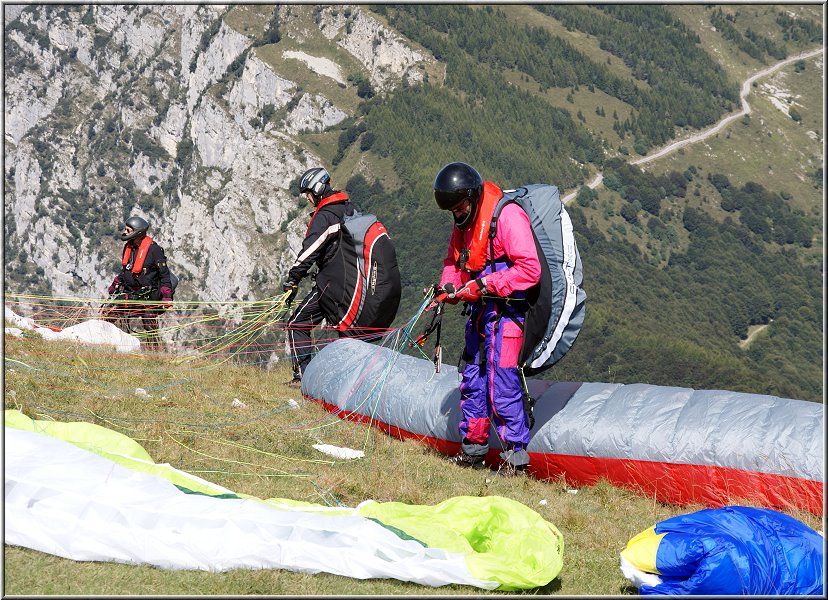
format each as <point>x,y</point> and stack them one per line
<point>451,291</point>
<point>289,285</point>
<point>471,292</point>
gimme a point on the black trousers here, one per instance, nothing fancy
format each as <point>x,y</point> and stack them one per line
<point>306,316</point>
<point>122,315</point>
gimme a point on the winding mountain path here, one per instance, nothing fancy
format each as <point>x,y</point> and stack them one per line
<point>706,133</point>
<point>753,331</point>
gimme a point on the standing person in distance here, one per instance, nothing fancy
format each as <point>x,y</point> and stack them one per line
<point>144,276</point>
<point>318,248</point>
<point>490,390</point>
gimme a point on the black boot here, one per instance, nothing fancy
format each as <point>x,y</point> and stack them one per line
<point>467,461</point>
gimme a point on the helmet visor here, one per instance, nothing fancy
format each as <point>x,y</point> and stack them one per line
<point>447,200</point>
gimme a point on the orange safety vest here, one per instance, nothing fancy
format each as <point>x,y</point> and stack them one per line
<point>472,258</point>
<point>143,248</point>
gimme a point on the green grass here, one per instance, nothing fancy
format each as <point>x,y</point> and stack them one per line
<point>266,450</point>
<point>759,18</point>
<point>308,80</point>
<point>697,18</point>
<point>582,100</point>
<point>372,166</point>
<point>309,39</point>
<point>249,19</point>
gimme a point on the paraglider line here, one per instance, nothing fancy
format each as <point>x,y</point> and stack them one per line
<point>256,450</point>
<point>237,462</point>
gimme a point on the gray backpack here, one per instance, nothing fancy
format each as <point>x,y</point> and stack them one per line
<point>557,304</point>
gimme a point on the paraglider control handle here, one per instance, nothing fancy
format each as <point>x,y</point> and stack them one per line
<point>293,291</point>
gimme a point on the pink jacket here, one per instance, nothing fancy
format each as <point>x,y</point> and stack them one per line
<point>514,240</point>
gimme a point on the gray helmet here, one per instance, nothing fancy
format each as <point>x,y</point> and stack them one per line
<point>139,228</point>
<point>314,181</point>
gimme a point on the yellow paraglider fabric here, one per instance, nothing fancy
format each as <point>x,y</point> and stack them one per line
<point>490,542</point>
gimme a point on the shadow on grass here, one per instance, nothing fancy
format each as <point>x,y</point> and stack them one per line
<point>553,587</point>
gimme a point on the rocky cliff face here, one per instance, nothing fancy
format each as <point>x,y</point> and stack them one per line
<point>190,116</point>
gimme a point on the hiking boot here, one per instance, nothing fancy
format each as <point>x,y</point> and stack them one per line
<point>295,383</point>
<point>467,461</point>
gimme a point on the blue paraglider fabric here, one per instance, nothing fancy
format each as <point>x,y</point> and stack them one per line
<point>738,550</point>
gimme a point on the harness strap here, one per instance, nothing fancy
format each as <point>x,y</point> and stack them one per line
<point>528,401</point>
<point>435,325</point>
<point>438,350</point>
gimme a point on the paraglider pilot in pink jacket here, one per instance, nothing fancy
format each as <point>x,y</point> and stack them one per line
<point>490,391</point>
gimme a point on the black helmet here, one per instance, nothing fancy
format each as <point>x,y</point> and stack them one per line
<point>455,183</point>
<point>139,228</point>
<point>314,181</point>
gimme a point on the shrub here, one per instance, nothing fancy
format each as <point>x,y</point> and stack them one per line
<point>364,89</point>
<point>367,141</point>
<point>719,181</point>
<point>630,212</point>
<point>586,196</point>
<point>641,147</point>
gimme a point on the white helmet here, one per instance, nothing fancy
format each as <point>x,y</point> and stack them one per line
<point>314,181</point>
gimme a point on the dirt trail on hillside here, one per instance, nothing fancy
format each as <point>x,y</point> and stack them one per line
<point>753,331</point>
<point>706,133</point>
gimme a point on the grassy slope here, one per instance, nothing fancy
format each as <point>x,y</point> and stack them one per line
<point>266,450</point>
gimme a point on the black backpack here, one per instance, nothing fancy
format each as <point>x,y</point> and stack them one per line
<point>360,289</point>
<point>173,282</point>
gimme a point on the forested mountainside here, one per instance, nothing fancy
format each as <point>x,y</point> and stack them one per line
<point>201,118</point>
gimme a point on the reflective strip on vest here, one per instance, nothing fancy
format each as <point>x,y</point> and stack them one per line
<point>570,291</point>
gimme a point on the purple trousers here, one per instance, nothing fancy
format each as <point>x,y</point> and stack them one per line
<point>490,391</point>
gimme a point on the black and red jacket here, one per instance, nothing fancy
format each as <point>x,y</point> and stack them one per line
<point>322,236</point>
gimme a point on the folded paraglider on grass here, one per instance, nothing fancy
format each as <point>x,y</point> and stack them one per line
<point>735,550</point>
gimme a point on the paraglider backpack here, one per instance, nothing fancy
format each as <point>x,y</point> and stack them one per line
<point>557,303</point>
<point>173,282</point>
<point>361,290</point>
<point>156,294</point>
